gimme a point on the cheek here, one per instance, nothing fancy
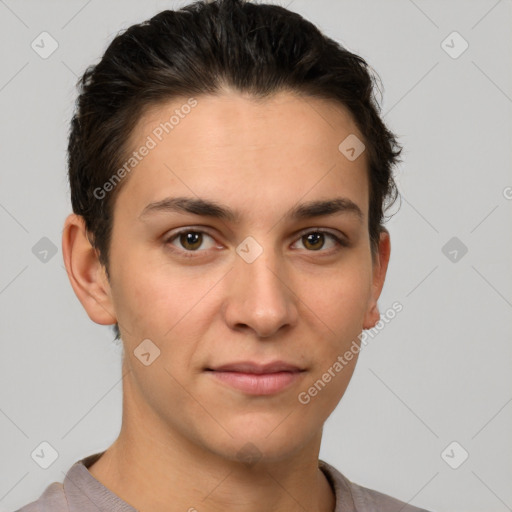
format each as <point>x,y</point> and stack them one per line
<point>338,311</point>
<point>342,298</point>
<point>164,303</point>
<point>137,301</point>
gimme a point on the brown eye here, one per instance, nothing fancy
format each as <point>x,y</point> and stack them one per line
<point>314,241</point>
<point>190,241</point>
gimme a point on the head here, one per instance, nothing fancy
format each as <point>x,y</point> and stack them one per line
<point>242,109</point>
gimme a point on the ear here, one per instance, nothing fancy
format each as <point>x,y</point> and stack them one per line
<point>380,266</point>
<point>85,272</point>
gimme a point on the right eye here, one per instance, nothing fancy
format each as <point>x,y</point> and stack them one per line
<point>190,241</point>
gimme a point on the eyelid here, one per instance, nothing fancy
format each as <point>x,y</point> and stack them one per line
<point>339,238</point>
<point>188,229</point>
<point>318,229</point>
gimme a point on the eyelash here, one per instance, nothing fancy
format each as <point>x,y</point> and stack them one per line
<point>192,254</point>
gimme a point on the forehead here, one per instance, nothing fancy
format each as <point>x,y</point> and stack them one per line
<point>230,117</point>
<point>241,149</point>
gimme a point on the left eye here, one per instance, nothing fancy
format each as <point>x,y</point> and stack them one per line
<point>315,239</point>
<point>191,240</point>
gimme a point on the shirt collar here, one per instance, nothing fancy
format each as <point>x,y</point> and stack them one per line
<point>84,492</point>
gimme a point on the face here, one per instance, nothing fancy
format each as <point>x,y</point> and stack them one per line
<point>284,274</point>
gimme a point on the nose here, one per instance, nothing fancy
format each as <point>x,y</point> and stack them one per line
<point>260,296</point>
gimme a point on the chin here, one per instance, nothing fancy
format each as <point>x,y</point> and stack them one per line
<point>256,441</point>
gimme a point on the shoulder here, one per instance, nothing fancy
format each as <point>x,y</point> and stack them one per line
<point>369,499</point>
<point>363,498</point>
<point>72,494</point>
<point>53,499</point>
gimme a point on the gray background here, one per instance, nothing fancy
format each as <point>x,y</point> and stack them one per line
<point>438,373</point>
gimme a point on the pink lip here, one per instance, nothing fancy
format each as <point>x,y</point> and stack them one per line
<point>257,379</point>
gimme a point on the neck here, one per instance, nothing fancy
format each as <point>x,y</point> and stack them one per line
<point>172,478</point>
<point>149,479</point>
<point>153,467</point>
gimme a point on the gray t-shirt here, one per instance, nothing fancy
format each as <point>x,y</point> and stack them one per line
<point>81,492</point>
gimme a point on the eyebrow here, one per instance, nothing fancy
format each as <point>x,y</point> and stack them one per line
<point>207,208</point>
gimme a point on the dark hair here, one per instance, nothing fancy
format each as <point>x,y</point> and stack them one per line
<point>259,49</point>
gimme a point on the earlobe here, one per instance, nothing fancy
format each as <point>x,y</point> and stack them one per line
<point>85,272</point>
<point>380,267</point>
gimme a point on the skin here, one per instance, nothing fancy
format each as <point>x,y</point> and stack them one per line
<point>299,301</point>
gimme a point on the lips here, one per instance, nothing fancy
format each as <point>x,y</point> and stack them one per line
<point>255,378</point>
<point>257,368</point>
